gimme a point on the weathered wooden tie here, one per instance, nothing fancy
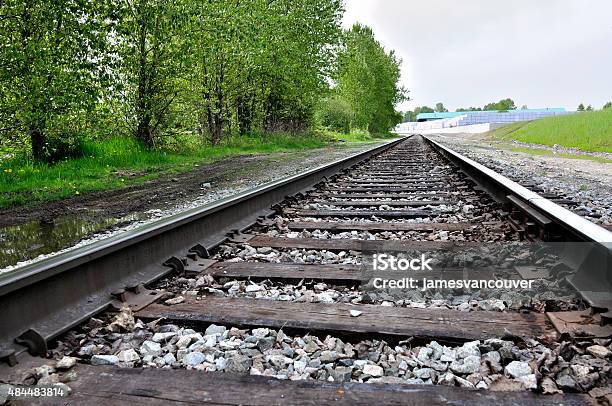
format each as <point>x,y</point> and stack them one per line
<point>333,273</point>
<point>343,244</point>
<point>389,214</point>
<point>440,324</point>
<point>375,227</point>
<point>113,386</point>
<point>393,203</point>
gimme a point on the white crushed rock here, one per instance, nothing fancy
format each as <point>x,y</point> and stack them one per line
<point>564,366</point>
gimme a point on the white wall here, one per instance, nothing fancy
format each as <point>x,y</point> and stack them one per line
<point>468,129</point>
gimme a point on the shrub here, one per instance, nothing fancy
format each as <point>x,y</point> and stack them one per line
<point>336,114</point>
<point>59,147</point>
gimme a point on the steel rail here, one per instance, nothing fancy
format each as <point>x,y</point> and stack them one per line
<point>56,294</point>
<point>592,260</point>
<point>49,297</point>
<point>580,226</point>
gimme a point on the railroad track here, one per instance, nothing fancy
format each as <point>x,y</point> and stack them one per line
<point>274,294</point>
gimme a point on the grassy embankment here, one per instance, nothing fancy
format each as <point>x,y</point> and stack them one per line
<point>587,131</point>
<point>118,162</point>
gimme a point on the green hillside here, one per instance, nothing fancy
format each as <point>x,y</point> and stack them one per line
<point>588,131</point>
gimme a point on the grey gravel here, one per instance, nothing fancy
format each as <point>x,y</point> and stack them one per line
<point>66,363</point>
<point>274,353</point>
<point>586,182</point>
<point>517,369</point>
<point>104,360</point>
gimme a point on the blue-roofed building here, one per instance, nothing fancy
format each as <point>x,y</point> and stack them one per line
<point>438,116</point>
<point>472,121</point>
<point>493,116</point>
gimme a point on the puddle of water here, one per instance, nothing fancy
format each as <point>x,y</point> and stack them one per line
<point>29,240</point>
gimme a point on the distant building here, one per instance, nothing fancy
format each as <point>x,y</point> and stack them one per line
<point>472,121</point>
<point>493,116</point>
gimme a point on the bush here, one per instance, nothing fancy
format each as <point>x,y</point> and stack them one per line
<point>336,114</point>
<point>64,146</point>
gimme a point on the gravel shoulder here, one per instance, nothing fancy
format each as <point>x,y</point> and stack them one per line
<point>581,179</point>
<point>173,189</point>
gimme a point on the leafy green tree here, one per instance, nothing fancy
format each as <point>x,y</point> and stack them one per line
<point>150,52</point>
<point>608,105</point>
<point>336,114</point>
<point>354,77</point>
<point>261,64</point>
<point>409,116</point>
<point>220,45</point>
<point>412,115</point>
<point>589,108</point>
<point>368,78</point>
<point>52,56</point>
<point>502,105</point>
<point>469,109</point>
<point>424,109</point>
<point>299,60</point>
<point>440,108</point>
<point>580,107</point>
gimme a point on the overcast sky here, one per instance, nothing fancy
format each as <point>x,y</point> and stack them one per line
<point>542,53</point>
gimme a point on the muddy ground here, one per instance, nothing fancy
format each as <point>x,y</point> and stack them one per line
<point>169,189</point>
<point>156,193</point>
<point>32,232</point>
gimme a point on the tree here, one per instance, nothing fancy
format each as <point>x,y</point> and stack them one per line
<point>469,109</point>
<point>150,56</point>
<point>336,114</point>
<point>52,56</point>
<point>502,105</point>
<point>524,107</point>
<point>440,108</point>
<point>589,108</point>
<point>259,64</point>
<point>221,45</point>
<point>608,105</point>
<point>580,107</point>
<point>424,109</point>
<point>368,78</point>
<point>409,116</point>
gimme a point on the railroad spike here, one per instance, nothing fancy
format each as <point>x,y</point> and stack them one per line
<point>134,288</point>
<point>119,294</point>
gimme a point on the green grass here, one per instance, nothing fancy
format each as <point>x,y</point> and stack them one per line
<point>117,162</point>
<point>588,131</point>
<point>546,152</point>
<point>358,136</point>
